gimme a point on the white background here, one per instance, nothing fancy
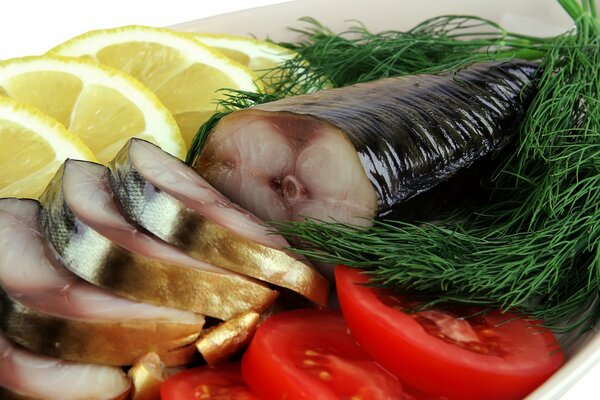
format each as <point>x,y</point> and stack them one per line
<point>32,27</point>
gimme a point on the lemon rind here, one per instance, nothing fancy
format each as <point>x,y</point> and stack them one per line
<point>191,50</point>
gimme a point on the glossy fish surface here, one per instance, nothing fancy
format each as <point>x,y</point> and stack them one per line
<point>49,310</point>
<point>166,197</point>
<point>358,152</point>
<point>82,221</point>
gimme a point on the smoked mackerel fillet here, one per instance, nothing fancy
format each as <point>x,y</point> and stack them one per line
<point>82,221</point>
<point>360,151</point>
<point>48,310</point>
<point>168,198</point>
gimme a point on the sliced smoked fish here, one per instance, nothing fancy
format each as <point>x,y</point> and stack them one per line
<point>165,196</point>
<point>49,310</point>
<point>355,153</point>
<point>82,221</point>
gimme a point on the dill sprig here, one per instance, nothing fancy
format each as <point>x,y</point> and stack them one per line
<point>436,45</point>
<point>536,246</point>
<point>329,60</point>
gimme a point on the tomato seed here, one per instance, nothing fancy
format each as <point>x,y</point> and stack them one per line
<point>326,376</point>
<point>202,392</point>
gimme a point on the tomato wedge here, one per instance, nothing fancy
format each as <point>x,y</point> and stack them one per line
<point>488,356</point>
<point>309,354</point>
<point>223,382</point>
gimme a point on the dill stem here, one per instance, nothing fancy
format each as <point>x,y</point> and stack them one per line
<point>525,54</point>
<point>572,8</point>
<point>536,245</point>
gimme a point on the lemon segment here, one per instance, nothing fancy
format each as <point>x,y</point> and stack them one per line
<point>40,88</point>
<point>102,106</point>
<point>125,118</point>
<point>33,146</point>
<point>185,74</point>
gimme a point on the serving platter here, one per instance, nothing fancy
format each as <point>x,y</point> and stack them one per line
<point>534,17</point>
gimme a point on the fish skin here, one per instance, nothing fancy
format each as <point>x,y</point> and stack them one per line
<point>410,133</point>
<point>147,376</point>
<point>85,335</point>
<point>94,257</point>
<point>466,115</point>
<point>221,342</point>
<point>204,239</point>
<point>110,343</point>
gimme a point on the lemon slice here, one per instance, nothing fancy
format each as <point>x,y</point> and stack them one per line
<point>102,106</point>
<point>33,147</point>
<point>181,71</point>
<point>260,56</point>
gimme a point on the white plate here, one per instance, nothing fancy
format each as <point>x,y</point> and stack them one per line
<point>535,17</point>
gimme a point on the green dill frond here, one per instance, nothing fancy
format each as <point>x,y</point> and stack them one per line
<point>535,246</point>
<point>436,45</point>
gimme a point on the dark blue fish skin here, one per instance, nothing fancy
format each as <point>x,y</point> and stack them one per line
<point>411,133</point>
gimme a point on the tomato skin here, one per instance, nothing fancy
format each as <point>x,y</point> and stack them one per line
<point>404,347</point>
<point>223,382</point>
<point>309,354</point>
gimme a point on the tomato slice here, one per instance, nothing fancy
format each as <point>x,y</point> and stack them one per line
<point>309,354</point>
<point>223,382</point>
<point>488,356</point>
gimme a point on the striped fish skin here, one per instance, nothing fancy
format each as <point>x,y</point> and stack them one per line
<point>115,342</point>
<point>82,222</point>
<point>47,309</point>
<point>30,272</point>
<point>409,133</point>
<point>169,199</point>
<point>26,375</point>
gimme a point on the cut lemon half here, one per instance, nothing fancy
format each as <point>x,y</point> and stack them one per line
<point>258,55</point>
<point>102,106</point>
<point>33,146</point>
<point>185,74</point>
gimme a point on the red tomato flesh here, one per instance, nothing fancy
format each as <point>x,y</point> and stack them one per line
<point>309,354</point>
<point>223,382</point>
<point>489,356</point>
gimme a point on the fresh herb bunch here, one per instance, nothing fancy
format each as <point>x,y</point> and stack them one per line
<point>535,246</point>
<point>329,60</point>
<point>438,44</point>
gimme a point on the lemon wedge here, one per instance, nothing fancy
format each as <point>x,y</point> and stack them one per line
<point>185,74</point>
<point>258,55</point>
<point>33,147</point>
<point>102,106</point>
